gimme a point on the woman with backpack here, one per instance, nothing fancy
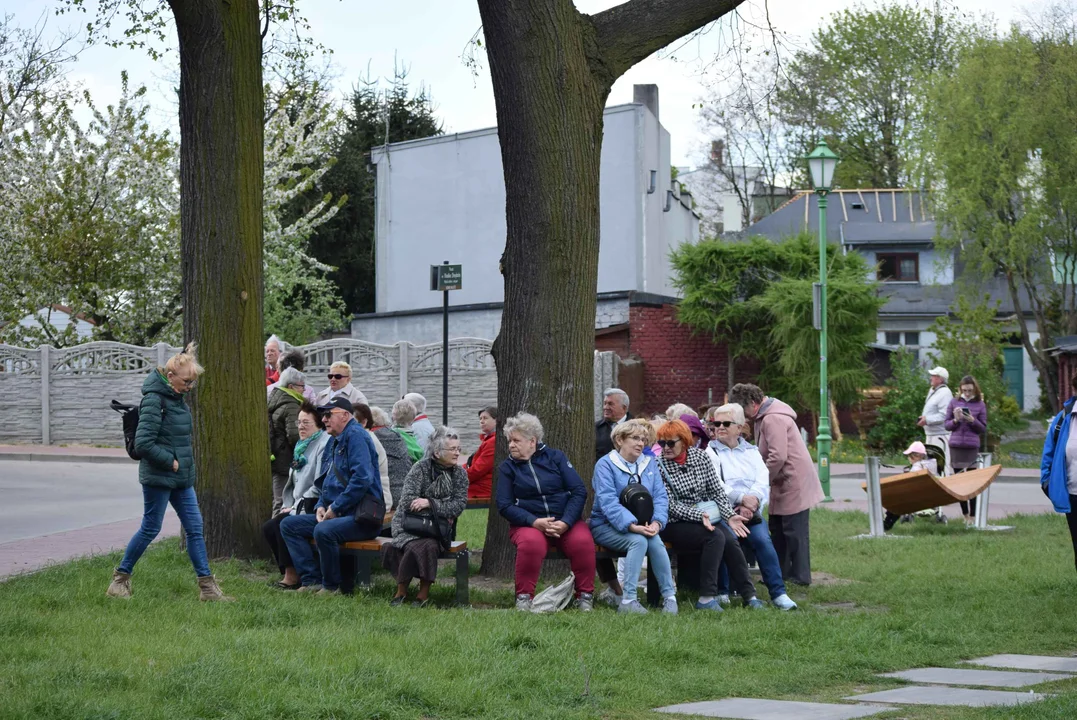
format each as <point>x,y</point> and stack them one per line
<point>1057,479</point>
<point>631,525</point>
<point>166,471</point>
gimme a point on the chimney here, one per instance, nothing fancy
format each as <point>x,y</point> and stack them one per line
<point>718,152</point>
<point>646,95</point>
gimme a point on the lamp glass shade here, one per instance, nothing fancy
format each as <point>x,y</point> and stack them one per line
<point>821,164</point>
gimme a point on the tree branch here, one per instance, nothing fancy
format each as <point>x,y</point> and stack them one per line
<point>629,32</point>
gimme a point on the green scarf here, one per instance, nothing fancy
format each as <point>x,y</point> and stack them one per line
<point>298,458</point>
<point>298,396</point>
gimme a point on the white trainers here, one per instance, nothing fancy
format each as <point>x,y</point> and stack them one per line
<point>723,600</point>
<point>669,606</point>
<point>610,598</point>
<point>783,602</point>
<point>632,608</point>
<point>523,602</point>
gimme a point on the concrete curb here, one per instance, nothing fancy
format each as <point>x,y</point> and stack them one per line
<point>67,458</point>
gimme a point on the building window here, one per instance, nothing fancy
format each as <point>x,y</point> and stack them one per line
<point>898,267</point>
<point>912,339</point>
<point>893,338</point>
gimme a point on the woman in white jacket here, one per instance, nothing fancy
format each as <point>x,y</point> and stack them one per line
<point>746,480</point>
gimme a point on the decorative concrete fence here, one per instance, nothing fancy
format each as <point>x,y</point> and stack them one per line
<point>61,396</point>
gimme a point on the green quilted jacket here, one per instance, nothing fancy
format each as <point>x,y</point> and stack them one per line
<point>164,435</point>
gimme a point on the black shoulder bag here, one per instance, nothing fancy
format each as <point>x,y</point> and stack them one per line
<point>637,499</point>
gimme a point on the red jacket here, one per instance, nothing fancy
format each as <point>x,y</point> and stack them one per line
<point>272,375</point>
<point>480,468</point>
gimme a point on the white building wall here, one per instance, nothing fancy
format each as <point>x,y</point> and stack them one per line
<point>59,320</point>
<point>444,199</point>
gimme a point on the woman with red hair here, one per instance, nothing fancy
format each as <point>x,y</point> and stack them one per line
<point>700,516</point>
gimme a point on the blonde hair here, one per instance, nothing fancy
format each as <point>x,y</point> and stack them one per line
<point>733,410</point>
<point>341,365</point>
<point>634,427</point>
<point>185,359</point>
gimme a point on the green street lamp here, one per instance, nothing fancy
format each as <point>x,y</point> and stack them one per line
<point>821,164</point>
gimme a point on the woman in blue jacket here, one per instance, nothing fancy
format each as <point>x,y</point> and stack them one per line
<point>542,497</point>
<point>615,527</point>
<point>1058,467</point>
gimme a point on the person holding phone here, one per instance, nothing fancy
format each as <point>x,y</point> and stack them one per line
<point>966,420</point>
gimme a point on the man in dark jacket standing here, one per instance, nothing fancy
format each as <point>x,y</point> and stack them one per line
<point>614,412</point>
<point>794,481</point>
<point>351,471</point>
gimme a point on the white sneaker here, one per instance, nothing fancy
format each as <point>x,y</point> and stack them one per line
<point>610,598</point>
<point>783,602</point>
<point>723,600</point>
<point>523,602</point>
<point>632,608</point>
<point>669,606</point>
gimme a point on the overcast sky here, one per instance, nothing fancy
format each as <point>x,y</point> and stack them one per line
<point>429,37</point>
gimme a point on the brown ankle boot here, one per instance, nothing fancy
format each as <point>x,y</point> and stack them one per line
<point>210,591</point>
<point>120,586</point>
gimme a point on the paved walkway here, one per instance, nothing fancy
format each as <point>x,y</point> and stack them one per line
<point>58,453</point>
<point>31,554</point>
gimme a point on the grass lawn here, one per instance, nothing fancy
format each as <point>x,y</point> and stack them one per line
<point>943,595</point>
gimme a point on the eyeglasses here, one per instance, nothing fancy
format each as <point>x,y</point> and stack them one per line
<point>721,423</point>
<point>668,443</point>
<point>637,438</point>
<point>336,376</point>
<point>186,383</point>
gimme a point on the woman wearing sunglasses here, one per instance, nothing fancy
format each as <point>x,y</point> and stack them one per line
<point>700,516</point>
<point>746,482</point>
<point>340,385</point>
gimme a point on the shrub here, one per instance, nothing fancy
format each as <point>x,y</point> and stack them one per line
<point>896,426</point>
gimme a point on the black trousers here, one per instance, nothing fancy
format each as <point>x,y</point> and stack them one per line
<point>689,538</point>
<point>968,507</point>
<point>271,532</point>
<point>1071,520</point>
<point>790,536</point>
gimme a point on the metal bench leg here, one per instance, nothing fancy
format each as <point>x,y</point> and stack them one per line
<point>462,573</point>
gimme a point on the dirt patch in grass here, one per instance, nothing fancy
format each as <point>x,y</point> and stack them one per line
<point>848,607</point>
<point>823,579</point>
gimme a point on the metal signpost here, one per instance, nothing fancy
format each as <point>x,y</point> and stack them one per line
<point>443,278</point>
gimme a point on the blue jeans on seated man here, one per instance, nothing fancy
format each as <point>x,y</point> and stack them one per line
<point>297,530</point>
<point>767,558</point>
<point>155,502</point>
<point>636,547</point>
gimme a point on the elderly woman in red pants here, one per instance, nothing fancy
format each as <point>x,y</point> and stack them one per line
<point>542,497</point>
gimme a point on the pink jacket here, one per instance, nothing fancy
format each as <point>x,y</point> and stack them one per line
<point>794,482</point>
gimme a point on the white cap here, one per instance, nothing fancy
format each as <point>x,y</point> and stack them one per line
<point>941,372</point>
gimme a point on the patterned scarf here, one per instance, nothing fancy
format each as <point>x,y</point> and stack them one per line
<point>298,458</point>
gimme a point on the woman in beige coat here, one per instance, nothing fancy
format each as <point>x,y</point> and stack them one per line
<point>794,482</point>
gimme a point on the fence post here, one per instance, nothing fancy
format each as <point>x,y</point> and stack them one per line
<point>983,502</point>
<point>403,367</point>
<point>162,354</point>
<point>45,366</point>
<point>875,507</point>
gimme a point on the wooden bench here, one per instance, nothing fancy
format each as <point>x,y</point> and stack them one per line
<point>364,552</point>
<point>478,503</point>
<point>920,490</point>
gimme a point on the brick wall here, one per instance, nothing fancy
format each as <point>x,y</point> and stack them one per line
<point>678,366</point>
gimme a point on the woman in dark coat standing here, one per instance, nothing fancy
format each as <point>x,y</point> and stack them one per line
<point>284,404</point>
<point>166,471</point>
<point>436,485</point>
<point>966,421</point>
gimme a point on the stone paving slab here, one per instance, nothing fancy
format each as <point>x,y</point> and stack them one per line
<point>756,709</point>
<point>926,695</point>
<point>985,678</point>
<point>1029,662</point>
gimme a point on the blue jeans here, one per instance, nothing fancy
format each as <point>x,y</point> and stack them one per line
<point>156,500</point>
<point>636,547</point>
<point>765,555</point>
<point>297,531</point>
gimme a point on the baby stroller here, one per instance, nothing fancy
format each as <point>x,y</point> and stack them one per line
<point>936,454</point>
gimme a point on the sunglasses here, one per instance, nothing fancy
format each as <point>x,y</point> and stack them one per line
<point>668,443</point>
<point>721,423</point>
<point>336,376</point>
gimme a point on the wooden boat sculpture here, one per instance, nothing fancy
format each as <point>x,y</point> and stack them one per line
<point>920,490</point>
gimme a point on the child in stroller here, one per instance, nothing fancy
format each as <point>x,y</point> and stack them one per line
<point>921,457</point>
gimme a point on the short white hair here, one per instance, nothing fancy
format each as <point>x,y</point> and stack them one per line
<point>734,410</point>
<point>378,416</point>
<point>403,413</point>
<point>274,340</point>
<point>341,365</point>
<point>524,424</point>
<point>674,411</point>
<point>417,401</point>
<point>291,376</point>
<point>441,437</point>
<point>617,391</point>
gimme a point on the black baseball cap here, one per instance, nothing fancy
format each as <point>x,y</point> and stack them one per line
<point>338,402</point>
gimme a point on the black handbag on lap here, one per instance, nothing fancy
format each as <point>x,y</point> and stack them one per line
<point>637,499</point>
<point>428,526</point>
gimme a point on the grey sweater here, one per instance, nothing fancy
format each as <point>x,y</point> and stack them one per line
<point>445,488</point>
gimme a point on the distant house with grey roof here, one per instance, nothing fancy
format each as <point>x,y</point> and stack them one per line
<point>895,231</point>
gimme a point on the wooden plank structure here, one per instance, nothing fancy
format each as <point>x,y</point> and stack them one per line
<point>920,490</point>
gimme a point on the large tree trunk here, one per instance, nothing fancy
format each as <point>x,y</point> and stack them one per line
<point>549,111</point>
<point>221,108</point>
<point>552,69</point>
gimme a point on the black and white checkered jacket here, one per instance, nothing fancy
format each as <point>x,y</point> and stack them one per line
<point>691,483</point>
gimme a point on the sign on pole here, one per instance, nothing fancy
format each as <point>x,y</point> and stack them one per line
<point>443,278</point>
<point>446,277</point>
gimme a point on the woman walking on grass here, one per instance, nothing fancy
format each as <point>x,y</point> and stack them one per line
<point>166,471</point>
